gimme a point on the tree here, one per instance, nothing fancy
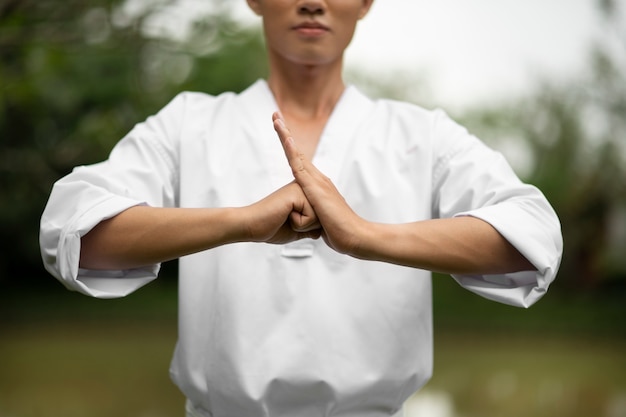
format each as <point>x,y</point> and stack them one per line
<point>574,134</point>
<point>76,76</point>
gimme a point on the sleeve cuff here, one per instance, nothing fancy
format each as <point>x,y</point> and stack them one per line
<point>96,283</point>
<point>535,232</point>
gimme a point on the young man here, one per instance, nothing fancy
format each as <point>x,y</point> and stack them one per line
<point>335,326</point>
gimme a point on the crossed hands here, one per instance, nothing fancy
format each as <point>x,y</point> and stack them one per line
<point>310,206</point>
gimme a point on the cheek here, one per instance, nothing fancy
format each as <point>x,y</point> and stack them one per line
<point>272,31</point>
<point>347,19</point>
<point>346,33</point>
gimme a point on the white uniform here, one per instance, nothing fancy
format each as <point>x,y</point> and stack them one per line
<point>300,330</point>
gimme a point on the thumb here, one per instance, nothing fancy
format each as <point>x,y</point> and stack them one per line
<point>301,222</point>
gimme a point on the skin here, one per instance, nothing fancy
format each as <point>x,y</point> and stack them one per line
<point>145,235</point>
<point>306,70</point>
<point>462,245</point>
<point>306,40</point>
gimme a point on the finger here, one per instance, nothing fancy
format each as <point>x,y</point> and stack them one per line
<point>294,156</point>
<point>302,223</point>
<point>284,135</point>
<point>313,234</point>
<point>302,217</point>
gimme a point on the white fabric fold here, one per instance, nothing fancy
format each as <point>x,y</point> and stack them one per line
<point>300,330</point>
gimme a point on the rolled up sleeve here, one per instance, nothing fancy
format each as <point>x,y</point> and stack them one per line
<point>60,238</point>
<point>534,230</point>
<point>473,180</point>
<point>141,170</point>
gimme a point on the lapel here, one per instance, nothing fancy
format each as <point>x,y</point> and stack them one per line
<point>339,136</point>
<point>335,142</point>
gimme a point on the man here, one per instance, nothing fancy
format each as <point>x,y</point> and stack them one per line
<point>274,320</point>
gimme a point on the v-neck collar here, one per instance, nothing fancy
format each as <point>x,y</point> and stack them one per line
<point>348,113</point>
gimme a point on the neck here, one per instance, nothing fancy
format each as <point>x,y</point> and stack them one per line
<point>306,92</point>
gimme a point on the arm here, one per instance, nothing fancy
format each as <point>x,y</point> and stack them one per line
<point>463,245</point>
<point>143,235</point>
<point>460,245</point>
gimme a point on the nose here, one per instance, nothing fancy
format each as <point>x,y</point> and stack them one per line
<point>311,8</point>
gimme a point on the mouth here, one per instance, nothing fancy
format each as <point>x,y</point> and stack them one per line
<point>311,29</point>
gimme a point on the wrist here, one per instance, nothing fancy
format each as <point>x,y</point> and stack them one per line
<point>242,224</point>
<point>361,243</point>
<point>376,241</point>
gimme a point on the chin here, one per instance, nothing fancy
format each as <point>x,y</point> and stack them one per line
<point>317,60</point>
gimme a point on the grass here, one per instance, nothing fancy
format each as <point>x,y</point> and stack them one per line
<point>88,369</point>
<point>103,369</point>
<point>523,375</point>
<point>65,355</point>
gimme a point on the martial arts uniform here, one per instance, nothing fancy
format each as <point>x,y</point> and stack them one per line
<point>299,330</point>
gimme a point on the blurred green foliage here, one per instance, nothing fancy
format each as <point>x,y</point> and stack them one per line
<point>76,76</point>
<point>570,139</point>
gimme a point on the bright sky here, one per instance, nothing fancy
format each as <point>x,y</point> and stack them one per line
<point>471,51</point>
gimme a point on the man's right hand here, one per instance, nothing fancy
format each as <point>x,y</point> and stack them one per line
<point>282,217</point>
<point>143,235</point>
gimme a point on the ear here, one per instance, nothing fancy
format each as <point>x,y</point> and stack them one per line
<point>365,8</point>
<point>255,6</point>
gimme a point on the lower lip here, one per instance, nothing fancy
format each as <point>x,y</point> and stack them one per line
<point>311,32</point>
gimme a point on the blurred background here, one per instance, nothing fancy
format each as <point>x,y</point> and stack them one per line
<point>543,82</point>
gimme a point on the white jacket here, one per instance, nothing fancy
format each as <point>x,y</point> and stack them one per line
<point>300,330</point>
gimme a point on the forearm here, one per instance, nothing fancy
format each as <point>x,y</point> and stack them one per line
<point>145,235</point>
<point>462,245</point>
